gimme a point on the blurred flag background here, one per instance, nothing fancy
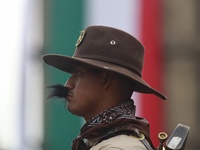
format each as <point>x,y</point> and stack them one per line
<point>168,29</point>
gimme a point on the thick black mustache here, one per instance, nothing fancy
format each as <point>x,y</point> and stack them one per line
<point>58,90</point>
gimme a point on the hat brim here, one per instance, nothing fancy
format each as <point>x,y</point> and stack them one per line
<point>65,64</point>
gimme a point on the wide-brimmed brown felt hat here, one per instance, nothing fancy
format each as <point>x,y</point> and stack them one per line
<point>107,48</point>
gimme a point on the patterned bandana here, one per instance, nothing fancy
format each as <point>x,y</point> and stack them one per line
<point>117,120</point>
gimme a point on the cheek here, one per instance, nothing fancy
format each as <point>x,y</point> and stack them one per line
<point>87,90</point>
<point>85,99</point>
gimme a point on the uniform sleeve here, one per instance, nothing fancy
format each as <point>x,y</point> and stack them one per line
<point>120,142</point>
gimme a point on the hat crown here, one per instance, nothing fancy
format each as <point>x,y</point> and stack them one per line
<point>111,45</point>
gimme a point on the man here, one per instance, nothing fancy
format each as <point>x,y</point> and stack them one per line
<point>106,68</point>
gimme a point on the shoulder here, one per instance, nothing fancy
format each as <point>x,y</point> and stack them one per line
<point>120,142</point>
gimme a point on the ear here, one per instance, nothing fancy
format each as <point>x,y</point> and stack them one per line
<point>107,79</point>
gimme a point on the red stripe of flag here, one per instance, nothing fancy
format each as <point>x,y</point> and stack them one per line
<point>151,37</point>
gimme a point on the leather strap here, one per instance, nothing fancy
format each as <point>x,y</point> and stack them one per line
<point>145,142</point>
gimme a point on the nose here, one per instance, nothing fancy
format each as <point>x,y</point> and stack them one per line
<point>70,83</point>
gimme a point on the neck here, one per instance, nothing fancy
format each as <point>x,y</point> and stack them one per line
<point>126,106</point>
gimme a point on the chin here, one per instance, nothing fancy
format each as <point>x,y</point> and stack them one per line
<point>73,110</point>
<point>70,109</point>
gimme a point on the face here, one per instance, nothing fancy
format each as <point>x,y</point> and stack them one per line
<point>84,96</point>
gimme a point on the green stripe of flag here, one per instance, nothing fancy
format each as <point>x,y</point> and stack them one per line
<point>63,20</point>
